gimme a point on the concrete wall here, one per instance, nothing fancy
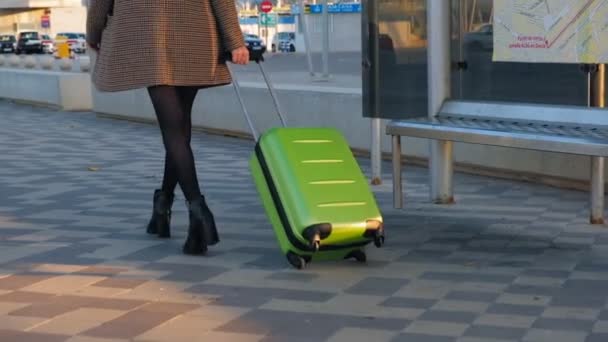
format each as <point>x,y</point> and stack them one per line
<point>63,90</point>
<point>218,109</point>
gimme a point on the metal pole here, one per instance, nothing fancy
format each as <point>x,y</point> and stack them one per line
<point>465,4</point>
<point>472,18</point>
<point>306,38</point>
<point>266,29</point>
<point>239,96</point>
<point>462,15</point>
<point>598,91</point>
<point>597,98</point>
<point>597,190</point>
<point>326,39</point>
<point>376,122</point>
<point>397,179</point>
<point>273,94</point>
<point>376,151</point>
<point>440,161</point>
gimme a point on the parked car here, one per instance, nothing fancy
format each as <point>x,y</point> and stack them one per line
<point>284,41</point>
<point>29,42</point>
<point>254,43</point>
<point>47,44</point>
<point>8,43</point>
<point>75,40</point>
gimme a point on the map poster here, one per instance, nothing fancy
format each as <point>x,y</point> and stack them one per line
<point>551,31</point>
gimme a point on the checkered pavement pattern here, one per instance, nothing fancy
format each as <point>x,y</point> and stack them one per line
<point>508,262</point>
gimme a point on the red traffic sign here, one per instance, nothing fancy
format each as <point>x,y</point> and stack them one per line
<point>45,21</point>
<point>266,6</point>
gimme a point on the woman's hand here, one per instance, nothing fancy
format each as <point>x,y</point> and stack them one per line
<point>240,56</point>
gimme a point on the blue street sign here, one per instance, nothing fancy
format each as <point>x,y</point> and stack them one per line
<point>316,8</point>
<point>248,20</point>
<point>287,19</point>
<point>333,8</point>
<point>348,8</point>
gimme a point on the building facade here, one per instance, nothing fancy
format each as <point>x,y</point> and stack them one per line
<point>46,16</point>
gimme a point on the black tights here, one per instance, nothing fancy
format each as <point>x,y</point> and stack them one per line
<point>173,106</point>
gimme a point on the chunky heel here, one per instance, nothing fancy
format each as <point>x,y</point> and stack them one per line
<point>202,231</point>
<point>160,222</point>
<point>195,244</point>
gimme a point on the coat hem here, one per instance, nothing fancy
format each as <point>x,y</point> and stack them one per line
<point>202,85</point>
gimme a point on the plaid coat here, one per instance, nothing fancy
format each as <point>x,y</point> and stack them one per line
<point>162,42</point>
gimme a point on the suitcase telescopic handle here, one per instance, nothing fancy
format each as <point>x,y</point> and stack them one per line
<point>258,58</point>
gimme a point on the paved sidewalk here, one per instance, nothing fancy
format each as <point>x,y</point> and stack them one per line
<point>508,262</point>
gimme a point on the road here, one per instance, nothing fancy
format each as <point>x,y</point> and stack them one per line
<point>340,63</point>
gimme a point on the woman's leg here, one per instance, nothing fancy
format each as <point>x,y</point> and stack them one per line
<point>187,96</point>
<point>174,119</point>
<point>173,106</point>
<point>163,198</point>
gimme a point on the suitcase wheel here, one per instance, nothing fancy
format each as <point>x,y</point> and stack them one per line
<point>379,240</point>
<point>358,255</point>
<point>296,260</point>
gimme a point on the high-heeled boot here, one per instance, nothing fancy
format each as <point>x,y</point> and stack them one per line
<point>202,231</point>
<point>160,222</point>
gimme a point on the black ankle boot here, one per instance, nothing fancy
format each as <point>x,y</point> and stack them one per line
<point>160,222</point>
<point>202,231</point>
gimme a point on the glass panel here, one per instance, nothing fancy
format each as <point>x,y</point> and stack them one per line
<point>499,81</point>
<point>395,80</point>
<point>401,53</point>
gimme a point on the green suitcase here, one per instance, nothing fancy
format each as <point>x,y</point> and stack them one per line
<point>313,191</point>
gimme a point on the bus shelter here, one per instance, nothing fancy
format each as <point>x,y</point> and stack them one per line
<point>516,85</point>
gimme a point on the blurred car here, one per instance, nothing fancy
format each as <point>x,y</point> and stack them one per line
<point>284,41</point>
<point>254,44</point>
<point>480,39</point>
<point>75,40</point>
<point>47,44</point>
<point>8,43</point>
<point>29,42</point>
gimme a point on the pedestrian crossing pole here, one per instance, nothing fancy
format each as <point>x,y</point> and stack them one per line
<point>373,58</point>
<point>326,39</point>
<point>306,38</point>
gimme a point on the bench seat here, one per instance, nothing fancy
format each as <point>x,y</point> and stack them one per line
<point>552,128</point>
<point>522,134</point>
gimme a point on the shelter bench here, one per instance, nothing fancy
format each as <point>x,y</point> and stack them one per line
<point>562,129</point>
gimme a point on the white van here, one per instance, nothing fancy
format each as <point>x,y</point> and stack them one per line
<point>284,42</point>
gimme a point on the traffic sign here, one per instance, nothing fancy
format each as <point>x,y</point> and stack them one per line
<point>266,6</point>
<point>45,21</point>
<point>268,19</point>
